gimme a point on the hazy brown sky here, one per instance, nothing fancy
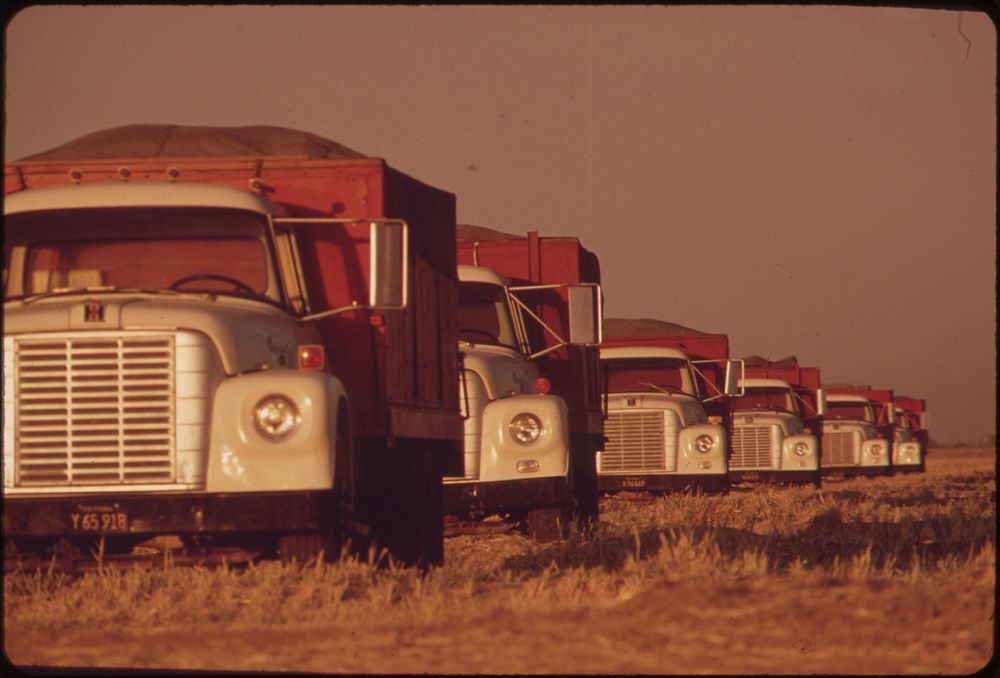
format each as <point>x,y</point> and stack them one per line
<point>816,181</point>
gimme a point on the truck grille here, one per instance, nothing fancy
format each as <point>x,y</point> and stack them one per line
<point>841,448</point>
<point>640,441</point>
<point>754,447</point>
<point>94,410</point>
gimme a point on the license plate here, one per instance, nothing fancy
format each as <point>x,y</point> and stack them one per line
<point>639,481</point>
<point>99,519</point>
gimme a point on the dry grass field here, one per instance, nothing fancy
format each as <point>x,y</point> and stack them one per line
<point>866,576</point>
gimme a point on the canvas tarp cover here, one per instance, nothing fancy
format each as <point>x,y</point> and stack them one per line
<point>470,232</point>
<point>645,327</point>
<point>763,363</point>
<point>180,141</point>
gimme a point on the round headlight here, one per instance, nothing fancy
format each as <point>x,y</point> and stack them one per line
<point>276,417</point>
<point>704,443</point>
<point>801,449</point>
<point>526,428</point>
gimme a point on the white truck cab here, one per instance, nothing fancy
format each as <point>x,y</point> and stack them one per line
<point>517,436</point>
<point>658,436</point>
<point>851,440</point>
<point>770,441</point>
<point>906,450</point>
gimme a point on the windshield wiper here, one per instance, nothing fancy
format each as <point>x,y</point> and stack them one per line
<point>61,291</point>
<point>66,291</point>
<point>661,389</point>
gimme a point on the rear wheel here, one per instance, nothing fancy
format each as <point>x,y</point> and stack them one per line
<point>408,517</point>
<point>583,484</point>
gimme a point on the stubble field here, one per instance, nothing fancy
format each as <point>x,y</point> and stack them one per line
<point>865,576</point>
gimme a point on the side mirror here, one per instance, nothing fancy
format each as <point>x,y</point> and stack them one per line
<point>387,274</point>
<point>821,401</point>
<point>734,374</point>
<point>584,315</point>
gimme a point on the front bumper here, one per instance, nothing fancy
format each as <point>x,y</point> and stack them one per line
<point>153,514</point>
<point>660,482</point>
<point>467,498</point>
<point>857,471</point>
<point>773,476</point>
<point>909,468</point>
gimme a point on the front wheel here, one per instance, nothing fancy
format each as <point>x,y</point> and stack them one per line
<point>405,503</point>
<point>549,524</point>
<point>329,543</point>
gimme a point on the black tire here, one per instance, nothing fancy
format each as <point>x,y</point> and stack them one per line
<point>408,517</point>
<point>546,525</point>
<point>583,484</point>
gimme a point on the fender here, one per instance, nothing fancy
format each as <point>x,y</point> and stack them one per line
<point>241,459</point>
<point>907,453</point>
<point>501,453</point>
<point>875,452</point>
<point>690,460</point>
<point>790,461</point>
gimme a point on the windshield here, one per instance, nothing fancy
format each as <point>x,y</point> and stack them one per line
<point>902,421</point>
<point>639,375</point>
<point>849,410</point>
<point>483,315</point>
<point>780,399</point>
<point>183,249</point>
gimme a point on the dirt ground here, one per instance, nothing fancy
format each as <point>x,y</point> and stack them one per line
<point>767,625</point>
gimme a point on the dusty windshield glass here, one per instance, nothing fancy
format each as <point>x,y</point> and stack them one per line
<point>180,249</point>
<point>639,375</point>
<point>483,315</point>
<point>853,411</point>
<point>766,399</point>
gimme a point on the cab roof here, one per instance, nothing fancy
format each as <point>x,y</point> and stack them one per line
<point>138,194</point>
<point>467,273</point>
<point>618,352</point>
<point>765,383</point>
<point>845,398</point>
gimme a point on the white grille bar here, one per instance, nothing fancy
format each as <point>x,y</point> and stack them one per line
<point>841,448</point>
<point>640,441</point>
<point>754,447</point>
<point>95,410</point>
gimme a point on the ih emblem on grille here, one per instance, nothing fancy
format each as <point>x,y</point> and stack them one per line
<point>748,420</point>
<point>93,312</point>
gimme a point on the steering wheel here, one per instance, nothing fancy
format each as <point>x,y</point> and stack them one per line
<point>239,285</point>
<point>476,330</point>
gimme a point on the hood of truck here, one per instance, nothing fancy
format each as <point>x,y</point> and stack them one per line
<point>249,335</point>
<point>788,422</point>
<point>504,371</point>
<point>688,408</point>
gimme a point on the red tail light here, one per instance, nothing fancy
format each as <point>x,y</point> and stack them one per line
<point>311,357</point>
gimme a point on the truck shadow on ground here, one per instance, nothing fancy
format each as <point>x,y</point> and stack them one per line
<point>825,540</point>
